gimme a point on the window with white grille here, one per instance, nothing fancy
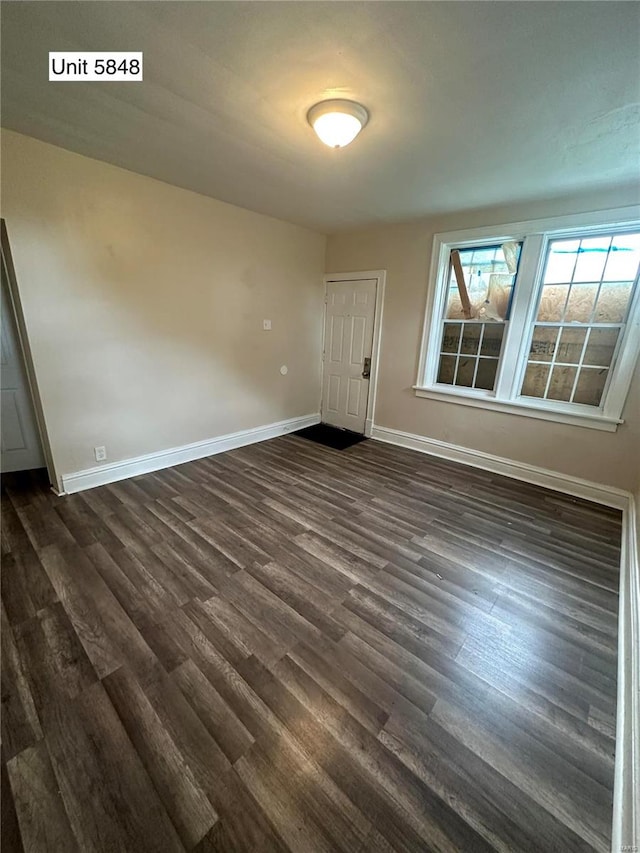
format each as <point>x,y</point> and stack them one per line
<point>540,320</point>
<point>583,303</point>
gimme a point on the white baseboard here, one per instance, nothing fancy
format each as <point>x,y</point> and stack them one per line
<point>626,794</point>
<point>626,791</point>
<point>112,472</point>
<point>607,495</point>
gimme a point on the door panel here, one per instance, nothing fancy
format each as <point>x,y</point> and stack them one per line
<point>336,338</point>
<point>333,395</point>
<point>348,341</point>
<point>353,397</point>
<point>358,340</point>
<point>20,439</point>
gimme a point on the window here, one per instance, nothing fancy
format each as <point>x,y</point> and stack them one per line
<point>539,318</point>
<point>583,302</point>
<point>478,300</point>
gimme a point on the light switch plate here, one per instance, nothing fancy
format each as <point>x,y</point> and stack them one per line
<point>266,325</point>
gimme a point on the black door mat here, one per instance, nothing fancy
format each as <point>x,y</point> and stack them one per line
<point>330,436</point>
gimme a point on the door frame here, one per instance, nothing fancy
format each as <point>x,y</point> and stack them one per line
<point>25,351</point>
<point>380,277</point>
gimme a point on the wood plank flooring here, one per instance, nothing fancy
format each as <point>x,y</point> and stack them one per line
<point>287,647</point>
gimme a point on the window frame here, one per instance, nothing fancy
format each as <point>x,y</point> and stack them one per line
<point>535,236</point>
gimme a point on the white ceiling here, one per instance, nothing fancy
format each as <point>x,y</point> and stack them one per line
<point>472,103</point>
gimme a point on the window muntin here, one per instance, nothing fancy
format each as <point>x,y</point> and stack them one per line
<point>478,299</point>
<point>585,294</point>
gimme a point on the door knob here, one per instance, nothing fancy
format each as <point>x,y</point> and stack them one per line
<point>366,372</point>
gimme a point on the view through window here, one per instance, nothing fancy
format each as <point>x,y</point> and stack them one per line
<point>543,320</point>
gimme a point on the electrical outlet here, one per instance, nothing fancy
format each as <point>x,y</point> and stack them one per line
<point>266,325</point>
<point>101,453</point>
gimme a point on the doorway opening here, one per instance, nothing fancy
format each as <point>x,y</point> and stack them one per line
<point>23,445</point>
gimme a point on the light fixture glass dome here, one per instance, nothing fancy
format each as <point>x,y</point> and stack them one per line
<point>337,122</point>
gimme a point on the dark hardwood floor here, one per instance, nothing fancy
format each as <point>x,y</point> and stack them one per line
<point>287,647</point>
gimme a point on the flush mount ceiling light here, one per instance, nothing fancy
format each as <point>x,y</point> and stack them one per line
<point>337,122</point>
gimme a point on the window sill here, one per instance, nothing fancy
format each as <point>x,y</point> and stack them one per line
<point>520,408</point>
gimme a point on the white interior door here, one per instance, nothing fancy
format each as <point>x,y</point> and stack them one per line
<point>20,439</point>
<point>348,343</point>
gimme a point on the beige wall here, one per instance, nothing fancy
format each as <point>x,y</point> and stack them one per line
<point>404,250</point>
<point>144,306</point>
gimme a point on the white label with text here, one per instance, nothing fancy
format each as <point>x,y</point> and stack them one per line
<point>95,65</point>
